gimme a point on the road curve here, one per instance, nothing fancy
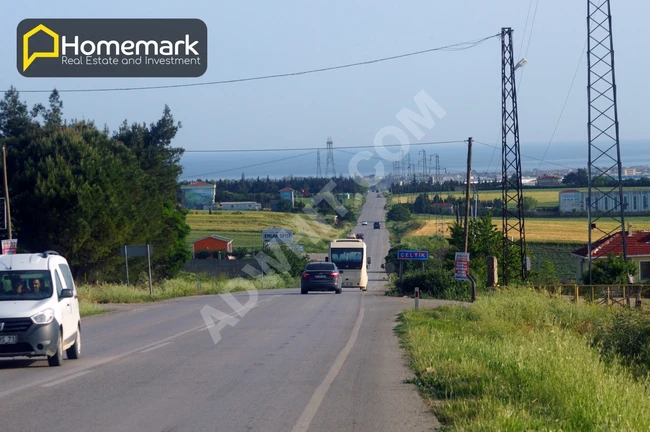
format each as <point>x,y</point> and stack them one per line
<point>317,362</point>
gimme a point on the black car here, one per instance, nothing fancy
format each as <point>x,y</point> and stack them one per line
<point>376,225</point>
<point>321,276</point>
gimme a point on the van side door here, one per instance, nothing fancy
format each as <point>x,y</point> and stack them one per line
<point>65,306</point>
<point>74,301</point>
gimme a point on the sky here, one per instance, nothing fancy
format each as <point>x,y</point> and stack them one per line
<point>352,105</point>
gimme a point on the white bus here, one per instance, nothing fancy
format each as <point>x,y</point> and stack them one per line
<point>350,257</point>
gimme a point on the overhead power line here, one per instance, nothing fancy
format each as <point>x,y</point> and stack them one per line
<point>453,47</point>
<point>527,157</point>
<point>315,148</point>
<point>566,100</point>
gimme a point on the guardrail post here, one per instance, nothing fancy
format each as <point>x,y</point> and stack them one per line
<point>577,293</point>
<point>198,285</point>
<point>417,299</point>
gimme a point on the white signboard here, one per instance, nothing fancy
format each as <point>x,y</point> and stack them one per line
<point>279,235</point>
<point>461,266</point>
<point>571,201</point>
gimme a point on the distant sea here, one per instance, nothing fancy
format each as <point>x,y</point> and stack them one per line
<point>453,158</point>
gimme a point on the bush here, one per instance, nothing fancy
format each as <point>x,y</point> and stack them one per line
<point>399,213</point>
<point>434,282</point>
<point>627,337</point>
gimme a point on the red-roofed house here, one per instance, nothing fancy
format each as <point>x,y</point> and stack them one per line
<point>549,181</point>
<point>638,250</point>
<point>198,195</point>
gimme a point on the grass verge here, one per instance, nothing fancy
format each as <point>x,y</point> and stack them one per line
<point>180,287</point>
<point>519,360</point>
<point>90,308</point>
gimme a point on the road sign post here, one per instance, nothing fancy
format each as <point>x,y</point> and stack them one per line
<point>413,255</point>
<point>137,251</point>
<point>417,298</point>
<point>461,266</point>
<point>149,260</point>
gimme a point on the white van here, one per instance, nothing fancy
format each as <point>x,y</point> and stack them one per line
<point>39,308</point>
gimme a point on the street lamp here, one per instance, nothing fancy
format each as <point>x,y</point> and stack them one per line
<point>521,63</point>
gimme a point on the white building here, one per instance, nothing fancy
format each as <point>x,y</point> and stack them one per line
<point>241,205</point>
<point>633,201</point>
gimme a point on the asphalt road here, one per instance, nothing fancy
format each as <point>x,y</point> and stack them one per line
<point>317,362</point>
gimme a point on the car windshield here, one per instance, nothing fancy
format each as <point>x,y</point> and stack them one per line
<point>25,285</point>
<point>320,266</point>
<point>347,258</point>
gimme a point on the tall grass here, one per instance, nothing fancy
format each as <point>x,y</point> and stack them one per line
<point>519,360</point>
<point>88,308</point>
<point>178,287</point>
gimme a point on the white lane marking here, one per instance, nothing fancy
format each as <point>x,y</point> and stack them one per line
<point>317,398</point>
<point>155,347</point>
<point>103,361</point>
<point>69,377</point>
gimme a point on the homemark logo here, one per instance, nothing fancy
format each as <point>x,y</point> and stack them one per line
<point>111,48</point>
<point>29,59</point>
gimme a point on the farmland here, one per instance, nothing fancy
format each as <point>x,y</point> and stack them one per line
<point>245,227</point>
<point>558,230</point>
<point>545,197</point>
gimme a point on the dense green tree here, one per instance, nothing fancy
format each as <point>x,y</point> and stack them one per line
<point>78,190</point>
<point>578,178</point>
<point>529,203</point>
<point>399,213</point>
<point>611,270</point>
<point>484,240</point>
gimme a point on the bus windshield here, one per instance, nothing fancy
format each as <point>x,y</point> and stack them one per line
<point>347,258</point>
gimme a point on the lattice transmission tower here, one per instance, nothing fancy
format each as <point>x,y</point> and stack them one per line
<point>514,239</point>
<point>319,172</point>
<point>330,169</point>
<point>605,192</point>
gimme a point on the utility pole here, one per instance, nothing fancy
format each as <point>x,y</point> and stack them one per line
<point>4,165</point>
<point>467,202</point>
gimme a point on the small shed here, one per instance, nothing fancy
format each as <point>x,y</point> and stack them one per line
<point>212,243</point>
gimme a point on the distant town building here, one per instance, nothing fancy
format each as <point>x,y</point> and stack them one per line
<point>549,181</point>
<point>198,195</point>
<point>629,172</point>
<point>287,194</point>
<point>241,205</point>
<point>633,201</point>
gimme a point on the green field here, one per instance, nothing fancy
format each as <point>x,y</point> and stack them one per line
<point>558,254</point>
<point>245,227</point>
<point>545,197</point>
